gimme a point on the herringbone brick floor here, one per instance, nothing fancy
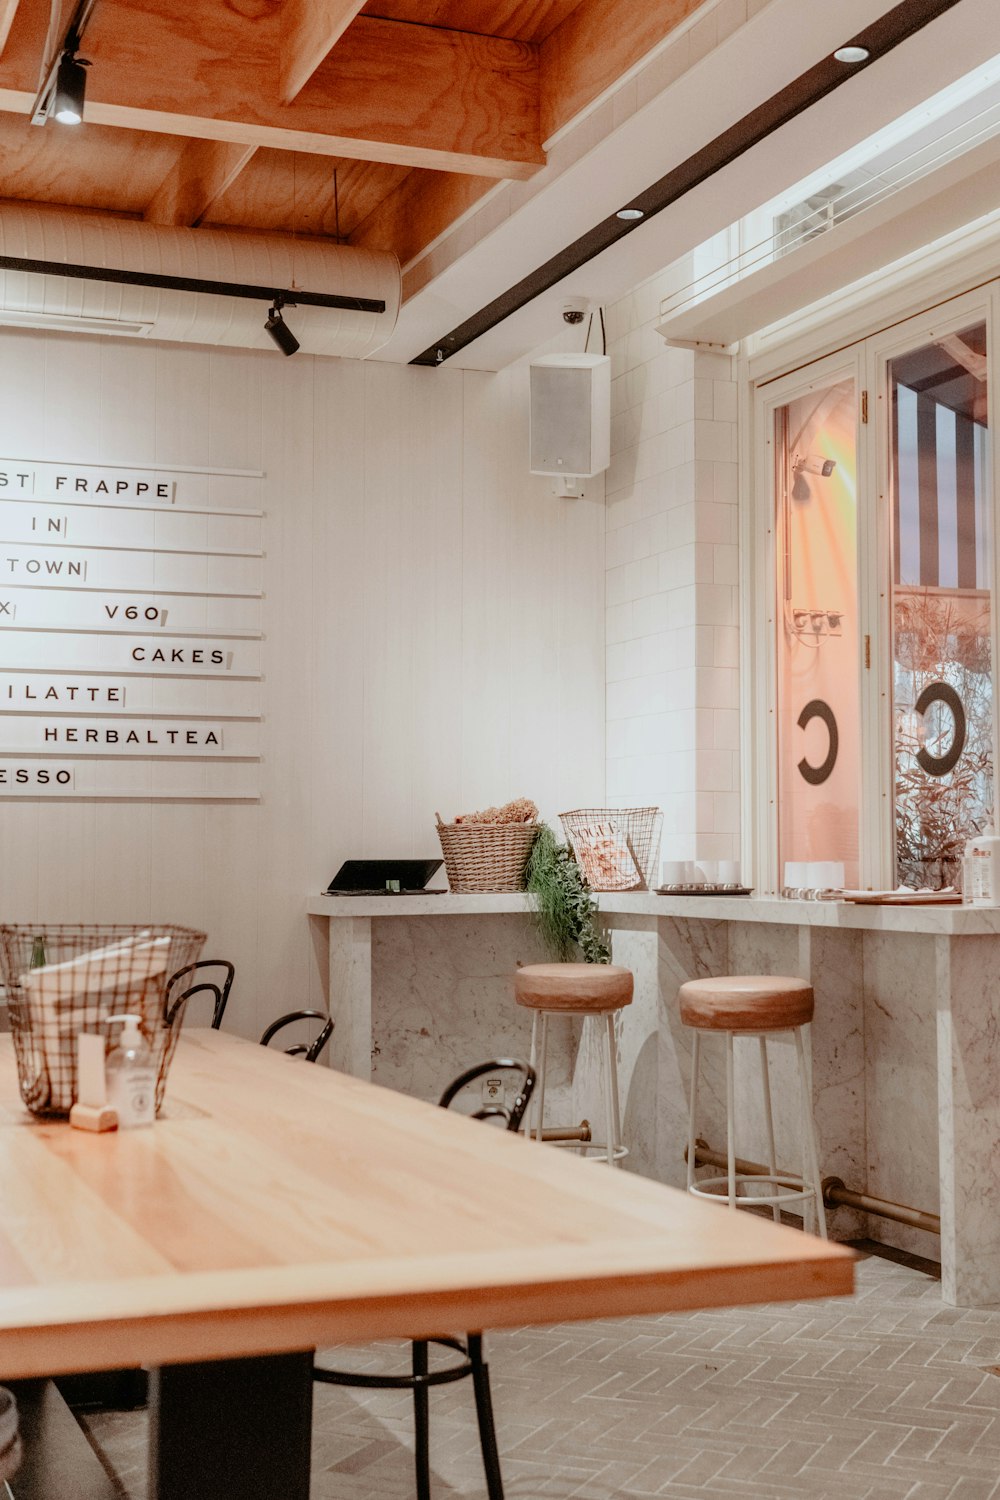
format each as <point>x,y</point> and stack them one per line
<point>888,1395</point>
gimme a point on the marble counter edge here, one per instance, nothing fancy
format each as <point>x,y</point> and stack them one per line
<point>944,921</point>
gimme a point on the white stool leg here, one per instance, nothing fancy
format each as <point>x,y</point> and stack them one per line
<point>540,1122</point>
<point>730,1121</point>
<point>529,1123</point>
<point>772,1159</point>
<point>693,1118</point>
<point>611,1090</point>
<point>811,1162</point>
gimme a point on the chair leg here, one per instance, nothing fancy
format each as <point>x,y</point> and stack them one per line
<point>543,1063</point>
<point>730,1121</point>
<point>693,1118</point>
<point>811,1159</point>
<point>421,1423</point>
<point>612,1108</point>
<point>772,1156</point>
<point>529,1123</point>
<point>484,1413</point>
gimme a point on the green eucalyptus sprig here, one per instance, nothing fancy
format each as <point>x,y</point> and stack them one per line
<point>567,912</point>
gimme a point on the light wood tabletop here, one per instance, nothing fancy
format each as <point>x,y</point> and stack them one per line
<point>278,1206</point>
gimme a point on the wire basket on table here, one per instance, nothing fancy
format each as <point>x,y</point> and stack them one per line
<point>617,848</point>
<point>64,978</point>
<point>481,857</point>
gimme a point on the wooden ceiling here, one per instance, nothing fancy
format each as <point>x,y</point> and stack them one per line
<point>381,121</point>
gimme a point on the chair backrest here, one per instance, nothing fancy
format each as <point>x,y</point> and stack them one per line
<point>311,1050</point>
<point>199,979</point>
<point>512,1114</point>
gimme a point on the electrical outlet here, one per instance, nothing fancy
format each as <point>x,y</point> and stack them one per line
<point>494,1091</point>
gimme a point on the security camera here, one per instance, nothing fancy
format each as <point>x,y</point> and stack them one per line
<point>575,311</point>
<point>813,463</point>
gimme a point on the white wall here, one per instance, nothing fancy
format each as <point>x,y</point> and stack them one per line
<point>434,634</point>
<point>672,583</point>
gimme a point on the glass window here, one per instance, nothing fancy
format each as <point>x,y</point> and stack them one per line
<point>818,704</point>
<point>941,605</point>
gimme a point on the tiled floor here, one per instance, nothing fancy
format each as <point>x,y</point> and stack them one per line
<point>885,1396</point>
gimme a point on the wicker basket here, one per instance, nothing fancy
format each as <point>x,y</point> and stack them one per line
<point>624,856</point>
<point>106,970</point>
<point>486,856</point>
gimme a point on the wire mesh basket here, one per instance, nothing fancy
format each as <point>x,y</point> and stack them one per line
<point>617,848</point>
<point>63,978</point>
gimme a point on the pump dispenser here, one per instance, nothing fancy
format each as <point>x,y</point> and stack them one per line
<point>131,1076</point>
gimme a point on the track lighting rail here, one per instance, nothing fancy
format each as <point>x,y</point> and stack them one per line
<point>269,294</point>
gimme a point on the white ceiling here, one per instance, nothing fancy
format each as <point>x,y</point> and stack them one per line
<point>757,61</point>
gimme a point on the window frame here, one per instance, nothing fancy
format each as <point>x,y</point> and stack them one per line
<point>867,362</point>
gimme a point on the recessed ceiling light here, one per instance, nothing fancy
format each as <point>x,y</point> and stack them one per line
<point>852,54</point>
<point>630,213</point>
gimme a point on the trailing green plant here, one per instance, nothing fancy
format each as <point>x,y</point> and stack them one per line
<point>566,916</point>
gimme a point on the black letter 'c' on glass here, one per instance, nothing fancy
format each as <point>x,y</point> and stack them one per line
<point>942,692</point>
<point>817,709</point>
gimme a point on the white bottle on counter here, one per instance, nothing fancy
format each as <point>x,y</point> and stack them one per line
<point>131,1076</point>
<point>981,871</point>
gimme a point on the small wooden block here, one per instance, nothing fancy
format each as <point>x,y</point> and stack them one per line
<point>93,1117</point>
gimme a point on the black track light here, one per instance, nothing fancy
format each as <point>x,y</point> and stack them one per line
<point>71,89</point>
<point>279,329</point>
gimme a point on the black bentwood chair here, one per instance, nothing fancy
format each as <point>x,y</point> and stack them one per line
<point>201,982</point>
<point>471,1348</point>
<point>309,1050</point>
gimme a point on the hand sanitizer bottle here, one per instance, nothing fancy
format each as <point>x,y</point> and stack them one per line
<point>131,1076</point>
<point>981,871</point>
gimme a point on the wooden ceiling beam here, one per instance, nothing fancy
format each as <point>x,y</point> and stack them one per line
<point>594,46</point>
<point>424,205</point>
<point>197,179</point>
<point>310,31</point>
<point>390,91</point>
<point>8,10</point>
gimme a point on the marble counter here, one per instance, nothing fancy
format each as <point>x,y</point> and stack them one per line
<point>903,1046</point>
<point>948,920</point>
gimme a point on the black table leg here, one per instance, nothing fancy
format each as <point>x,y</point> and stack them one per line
<point>234,1428</point>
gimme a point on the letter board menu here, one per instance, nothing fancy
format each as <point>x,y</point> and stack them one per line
<point>130,628</point>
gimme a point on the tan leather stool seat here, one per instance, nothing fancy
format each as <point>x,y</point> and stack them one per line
<point>746,1002</point>
<point>580,988</point>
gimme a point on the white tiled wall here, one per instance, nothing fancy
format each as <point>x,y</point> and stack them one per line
<point>672,581</point>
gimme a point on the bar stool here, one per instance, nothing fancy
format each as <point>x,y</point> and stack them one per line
<point>758,1005</point>
<point>595,991</point>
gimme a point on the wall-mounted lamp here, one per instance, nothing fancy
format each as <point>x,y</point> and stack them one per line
<point>71,89</point>
<point>279,330</point>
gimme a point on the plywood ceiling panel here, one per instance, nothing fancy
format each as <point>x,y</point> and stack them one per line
<point>519,20</point>
<point>293,192</point>
<point>240,113</point>
<point>97,167</point>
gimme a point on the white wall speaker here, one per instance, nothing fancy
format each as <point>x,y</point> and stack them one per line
<point>570,414</point>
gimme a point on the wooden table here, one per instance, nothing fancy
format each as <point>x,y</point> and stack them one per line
<point>278,1207</point>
